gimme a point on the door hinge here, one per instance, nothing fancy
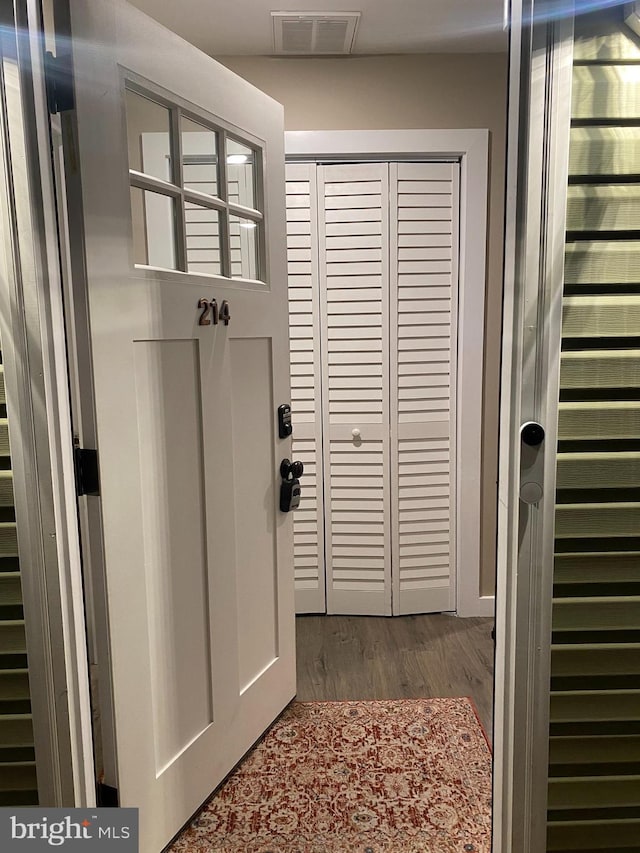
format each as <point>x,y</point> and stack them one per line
<point>86,468</point>
<point>59,82</point>
<point>107,796</point>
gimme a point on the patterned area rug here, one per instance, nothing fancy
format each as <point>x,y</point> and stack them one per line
<point>356,777</point>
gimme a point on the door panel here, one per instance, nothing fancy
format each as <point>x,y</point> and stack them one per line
<point>198,558</point>
<point>252,411</point>
<point>424,290</point>
<point>167,376</point>
<point>354,272</point>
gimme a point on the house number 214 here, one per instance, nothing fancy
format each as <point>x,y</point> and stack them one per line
<point>211,314</point>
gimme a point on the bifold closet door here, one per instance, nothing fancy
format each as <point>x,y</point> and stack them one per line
<point>373,282</point>
<point>304,333</point>
<point>354,294</point>
<point>423,295</point>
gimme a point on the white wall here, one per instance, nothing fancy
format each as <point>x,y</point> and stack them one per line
<point>404,92</point>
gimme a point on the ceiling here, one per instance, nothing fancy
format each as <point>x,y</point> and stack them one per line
<point>244,27</point>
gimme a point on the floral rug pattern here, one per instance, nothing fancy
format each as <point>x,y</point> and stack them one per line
<point>405,776</point>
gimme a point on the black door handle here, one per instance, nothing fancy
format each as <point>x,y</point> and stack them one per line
<point>291,470</point>
<point>290,487</point>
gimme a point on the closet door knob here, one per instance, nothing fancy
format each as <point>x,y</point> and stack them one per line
<point>355,433</point>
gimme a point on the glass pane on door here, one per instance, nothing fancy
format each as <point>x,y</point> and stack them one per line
<point>244,247</point>
<point>241,174</point>
<point>199,157</point>
<point>153,221</point>
<point>148,136</point>
<point>203,240</point>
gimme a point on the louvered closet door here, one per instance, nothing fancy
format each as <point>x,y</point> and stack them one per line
<point>304,332</point>
<point>424,284</point>
<point>354,259</point>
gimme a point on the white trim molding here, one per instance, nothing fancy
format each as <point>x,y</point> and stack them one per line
<point>471,148</point>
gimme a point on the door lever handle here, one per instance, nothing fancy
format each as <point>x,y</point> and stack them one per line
<point>290,487</point>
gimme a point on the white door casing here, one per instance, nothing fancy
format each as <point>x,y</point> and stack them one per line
<point>471,149</point>
<point>200,613</point>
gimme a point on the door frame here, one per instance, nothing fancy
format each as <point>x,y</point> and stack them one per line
<point>540,76</point>
<point>471,149</point>
<point>33,320</point>
<point>33,332</point>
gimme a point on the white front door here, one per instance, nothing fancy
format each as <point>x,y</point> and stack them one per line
<point>198,556</point>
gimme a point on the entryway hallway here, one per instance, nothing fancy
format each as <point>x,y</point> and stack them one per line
<point>406,657</point>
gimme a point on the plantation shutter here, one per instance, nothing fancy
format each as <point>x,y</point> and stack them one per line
<point>18,783</point>
<point>354,282</point>
<point>424,284</point>
<point>304,331</point>
<point>594,755</point>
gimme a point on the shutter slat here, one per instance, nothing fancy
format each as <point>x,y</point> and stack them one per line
<point>605,92</point>
<point>602,316</point>
<point>598,470</point>
<point>613,421</point>
<point>599,369</point>
<point>608,208</point>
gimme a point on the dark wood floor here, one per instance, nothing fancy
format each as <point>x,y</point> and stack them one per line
<point>375,657</point>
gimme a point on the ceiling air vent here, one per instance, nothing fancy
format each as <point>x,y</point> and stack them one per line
<point>314,32</point>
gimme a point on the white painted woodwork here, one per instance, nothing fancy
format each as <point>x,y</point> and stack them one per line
<point>173,522</point>
<point>354,292</point>
<point>423,348</point>
<point>197,555</point>
<point>388,272</point>
<point>304,331</point>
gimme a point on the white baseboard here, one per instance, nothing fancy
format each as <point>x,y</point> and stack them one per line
<point>483,605</point>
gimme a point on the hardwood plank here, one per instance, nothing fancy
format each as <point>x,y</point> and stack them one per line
<point>403,657</point>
